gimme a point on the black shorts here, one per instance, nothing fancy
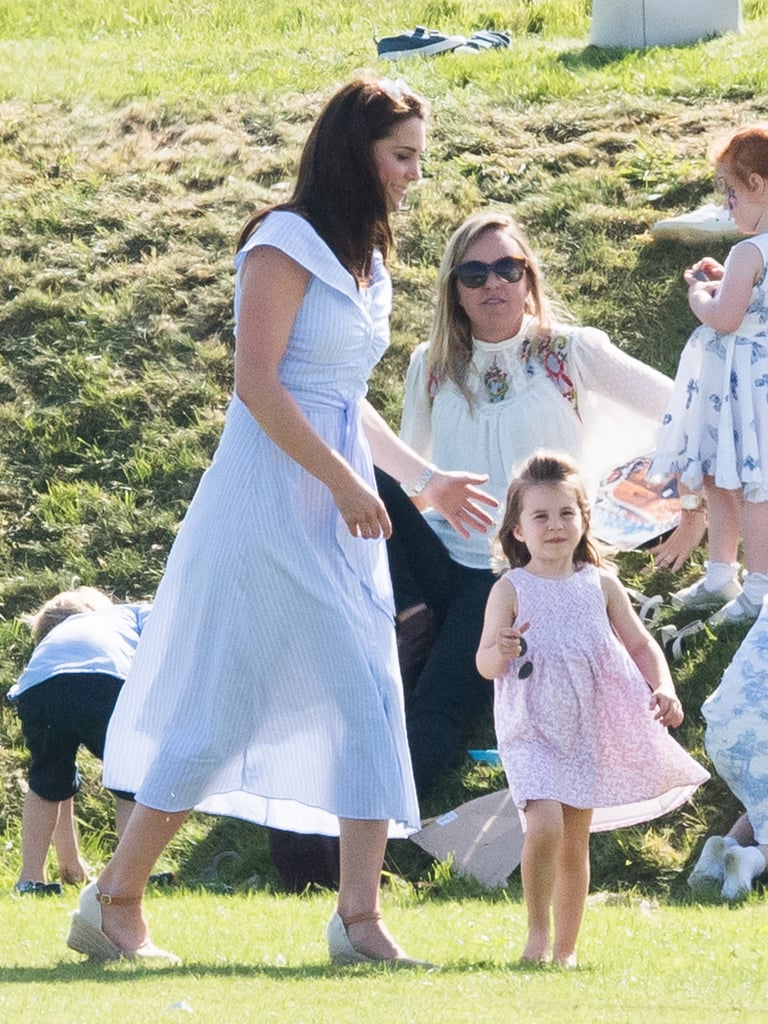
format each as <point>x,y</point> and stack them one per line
<point>57,716</point>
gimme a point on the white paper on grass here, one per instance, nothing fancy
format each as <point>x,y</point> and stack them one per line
<point>483,836</point>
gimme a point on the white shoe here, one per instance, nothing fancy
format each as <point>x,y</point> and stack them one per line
<point>743,864</point>
<point>708,221</point>
<point>739,612</point>
<point>709,870</point>
<point>86,933</point>
<point>697,598</point>
<point>343,953</point>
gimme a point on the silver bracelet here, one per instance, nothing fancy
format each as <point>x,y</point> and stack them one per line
<point>427,474</point>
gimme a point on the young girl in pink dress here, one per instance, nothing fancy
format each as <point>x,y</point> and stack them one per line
<point>583,699</point>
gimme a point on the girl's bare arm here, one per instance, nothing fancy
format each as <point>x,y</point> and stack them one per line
<point>500,640</point>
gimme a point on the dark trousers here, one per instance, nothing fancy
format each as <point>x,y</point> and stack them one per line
<point>449,692</point>
<point>59,715</point>
<point>305,860</point>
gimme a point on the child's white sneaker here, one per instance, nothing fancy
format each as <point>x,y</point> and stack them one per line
<point>739,612</point>
<point>743,864</point>
<point>709,870</point>
<point>697,598</point>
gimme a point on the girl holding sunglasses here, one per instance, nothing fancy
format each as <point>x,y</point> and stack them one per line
<point>581,714</point>
<point>499,377</point>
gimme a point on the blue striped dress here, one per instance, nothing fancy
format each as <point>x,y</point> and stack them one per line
<point>266,684</point>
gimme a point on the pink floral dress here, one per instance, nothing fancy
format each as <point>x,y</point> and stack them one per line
<point>577,728</point>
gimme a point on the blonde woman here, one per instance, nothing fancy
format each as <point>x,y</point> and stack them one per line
<point>500,376</point>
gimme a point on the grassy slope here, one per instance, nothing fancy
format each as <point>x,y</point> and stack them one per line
<point>129,157</point>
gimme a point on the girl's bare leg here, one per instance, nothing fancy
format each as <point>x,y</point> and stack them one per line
<point>361,857</point>
<point>538,866</point>
<point>754,524</point>
<point>724,514</point>
<point>146,835</point>
<point>741,830</point>
<point>572,883</point>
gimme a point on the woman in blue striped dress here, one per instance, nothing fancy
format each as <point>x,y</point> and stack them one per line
<point>266,685</point>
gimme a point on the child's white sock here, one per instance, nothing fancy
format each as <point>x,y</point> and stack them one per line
<point>720,574</point>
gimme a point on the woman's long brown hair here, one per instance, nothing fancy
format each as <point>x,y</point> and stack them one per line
<point>337,188</point>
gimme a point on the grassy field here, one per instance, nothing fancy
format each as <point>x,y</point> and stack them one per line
<point>262,958</point>
<point>134,140</point>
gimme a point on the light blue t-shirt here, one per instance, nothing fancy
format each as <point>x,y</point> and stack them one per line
<point>99,641</point>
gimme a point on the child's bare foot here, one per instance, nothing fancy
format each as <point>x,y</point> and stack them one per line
<point>536,949</point>
<point>567,960</point>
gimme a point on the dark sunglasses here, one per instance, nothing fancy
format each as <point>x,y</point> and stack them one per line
<point>527,667</point>
<point>474,274</point>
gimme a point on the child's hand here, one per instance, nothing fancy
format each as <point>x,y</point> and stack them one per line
<point>707,270</point>
<point>508,641</point>
<point>669,710</point>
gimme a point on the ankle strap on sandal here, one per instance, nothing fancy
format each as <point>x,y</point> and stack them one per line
<point>117,901</point>
<point>372,915</point>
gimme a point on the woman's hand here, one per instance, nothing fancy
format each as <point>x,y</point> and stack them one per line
<point>674,551</point>
<point>361,508</point>
<point>459,499</point>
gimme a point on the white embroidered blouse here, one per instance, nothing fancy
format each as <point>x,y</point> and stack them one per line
<point>580,394</point>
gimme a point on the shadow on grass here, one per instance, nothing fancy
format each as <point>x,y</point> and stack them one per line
<point>69,973</point>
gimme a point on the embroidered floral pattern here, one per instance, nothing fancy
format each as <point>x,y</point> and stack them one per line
<point>496,382</point>
<point>552,354</point>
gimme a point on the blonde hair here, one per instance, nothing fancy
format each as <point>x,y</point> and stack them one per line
<point>544,467</point>
<point>60,607</point>
<point>450,336</point>
<point>744,151</point>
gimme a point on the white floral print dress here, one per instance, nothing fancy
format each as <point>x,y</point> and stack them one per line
<point>717,420</point>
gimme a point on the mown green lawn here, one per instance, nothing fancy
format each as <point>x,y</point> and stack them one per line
<point>134,140</point>
<point>262,958</point>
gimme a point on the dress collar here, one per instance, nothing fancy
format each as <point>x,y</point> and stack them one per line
<point>498,346</point>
